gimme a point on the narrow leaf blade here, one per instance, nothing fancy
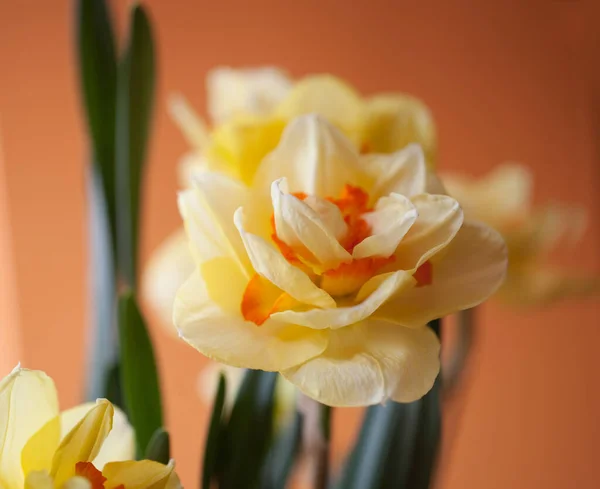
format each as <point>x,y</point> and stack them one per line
<point>214,439</point>
<point>139,376</point>
<point>159,447</point>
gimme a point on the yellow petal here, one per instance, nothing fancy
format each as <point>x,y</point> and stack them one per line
<point>39,450</point>
<point>469,271</point>
<point>169,267</point>
<point>189,165</point>
<point>144,474</point>
<point>298,225</point>
<point>372,295</point>
<point>393,121</point>
<point>240,144</point>
<point>231,92</point>
<point>191,124</point>
<point>208,217</point>
<point>227,338</point>
<point>39,480</point>
<point>270,263</point>
<point>118,445</point>
<point>315,157</point>
<point>344,375</point>
<point>439,219</point>
<point>83,442</point>
<point>499,199</point>
<point>369,363</point>
<point>409,358</point>
<point>27,402</point>
<point>329,97</point>
<point>389,222</point>
<point>403,172</point>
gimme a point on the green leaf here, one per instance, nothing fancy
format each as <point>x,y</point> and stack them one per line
<point>97,63</point>
<point>139,377</point>
<point>135,100</point>
<point>159,447</point>
<point>214,440</point>
<point>282,455</point>
<point>249,431</point>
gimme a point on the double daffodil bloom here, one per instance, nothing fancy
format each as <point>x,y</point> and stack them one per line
<point>88,447</point>
<point>329,266</point>
<point>249,109</point>
<point>503,199</point>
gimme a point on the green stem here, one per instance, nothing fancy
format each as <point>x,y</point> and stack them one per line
<point>316,437</point>
<point>322,459</point>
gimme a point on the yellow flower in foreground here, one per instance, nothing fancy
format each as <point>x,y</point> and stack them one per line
<point>328,268</point>
<point>83,448</point>
<point>249,109</point>
<point>503,199</point>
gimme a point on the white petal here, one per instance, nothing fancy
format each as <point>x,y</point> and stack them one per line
<point>403,172</point>
<point>372,295</point>
<point>393,217</point>
<point>298,224</point>
<point>268,262</point>
<point>28,401</point>
<point>227,338</point>
<point>207,211</point>
<point>469,271</point>
<point>315,157</point>
<point>119,444</point>
<point>244,91</point>
<point>439,219</point>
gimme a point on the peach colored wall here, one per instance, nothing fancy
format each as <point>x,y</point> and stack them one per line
<point>506,80</point>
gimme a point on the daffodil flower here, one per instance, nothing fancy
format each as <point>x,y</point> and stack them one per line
<point>249,109</point>
<point>329,266</point>
<point>503,199</point>
<point>87,447</point>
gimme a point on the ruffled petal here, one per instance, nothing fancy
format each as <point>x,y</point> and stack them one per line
<point>315,157</point>
<point>208,218</point>
<point>38,480</point>
<point>344,375</point>
<point>28,401</point>
<point>370,297</point>
<point>231,92</point>
<point>270,263</point>
<point>393,217</point>
<point>83,442</point>
<point>469,271</point>
<point>118,445</point>
<point>403,172</point>
<point>439,219</point>
<point>227,338</point>
<point>298,225</point>
<point>393,121</point>
<point>329,97</point>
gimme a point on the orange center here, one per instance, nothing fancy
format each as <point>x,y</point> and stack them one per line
<point>92,474</point>
<point>262,298</point>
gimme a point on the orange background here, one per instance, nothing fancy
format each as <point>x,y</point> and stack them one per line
<point>505,80</point>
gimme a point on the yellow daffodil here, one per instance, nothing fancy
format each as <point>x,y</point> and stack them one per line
<point>329,266</point>
<point>503,199</point>
<point>249,109</point>
<point>87,447</point>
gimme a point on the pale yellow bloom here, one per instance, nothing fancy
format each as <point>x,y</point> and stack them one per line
<point>249,109</point>
<point>503,199</point>
<point>86,447</point>
<point>329,266</point>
